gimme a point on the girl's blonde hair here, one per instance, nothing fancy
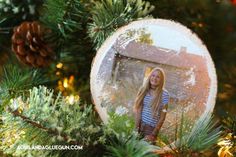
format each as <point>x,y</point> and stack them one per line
<point>157,95</point>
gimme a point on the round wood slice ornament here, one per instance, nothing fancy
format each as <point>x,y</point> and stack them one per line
<point>126,58</point>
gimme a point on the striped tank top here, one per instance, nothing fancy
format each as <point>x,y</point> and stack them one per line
<point>146,115</point>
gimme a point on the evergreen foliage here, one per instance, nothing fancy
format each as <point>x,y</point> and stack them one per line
<point>202,136</point>
<point>16,80</point>
<point>63,16</point>
<point>43,119</point>
<point>77,27</point>
<point>130,146</point>
<point>120,124</point>
<point>67,20</point>
<point>123,140</point>
<point>109,15</point>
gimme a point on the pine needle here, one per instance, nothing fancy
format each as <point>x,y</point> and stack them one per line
<point>108,15</point>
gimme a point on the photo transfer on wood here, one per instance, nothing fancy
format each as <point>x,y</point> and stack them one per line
<point>127,57</point>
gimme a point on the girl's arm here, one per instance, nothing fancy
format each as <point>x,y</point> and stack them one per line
<point>137,118</point>
<point>153,136</point>
<point>161,121</point>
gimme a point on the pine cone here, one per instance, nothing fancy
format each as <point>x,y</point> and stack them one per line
<point>29,46</point>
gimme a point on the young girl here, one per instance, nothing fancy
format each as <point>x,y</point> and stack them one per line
<point>151,105</point>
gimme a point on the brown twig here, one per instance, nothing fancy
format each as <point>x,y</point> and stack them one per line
<point>35,124</point>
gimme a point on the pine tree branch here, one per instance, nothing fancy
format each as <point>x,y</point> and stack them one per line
<point>64,17</point>
<point>16,81</point>
<point>16,113</point>
<point>203,135</point>
<point>108,15</point>
<point>67,10</point>
<point>47,119</point>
